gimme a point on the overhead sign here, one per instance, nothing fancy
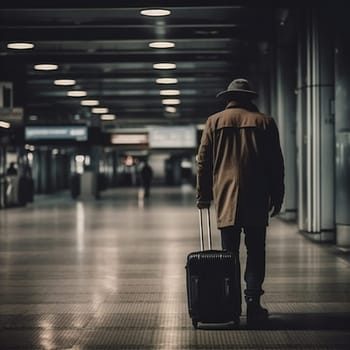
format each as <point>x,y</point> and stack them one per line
<point>54,133</point>
<point>172,137</point>
<point>129,139</point>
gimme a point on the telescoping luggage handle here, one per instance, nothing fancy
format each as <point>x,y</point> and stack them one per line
<point>201,228</point>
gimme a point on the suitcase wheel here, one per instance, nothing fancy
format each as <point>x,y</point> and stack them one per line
<point>195,324</point>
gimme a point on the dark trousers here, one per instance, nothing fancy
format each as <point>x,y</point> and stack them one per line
<point>146,188</point>
<point>255,238</point>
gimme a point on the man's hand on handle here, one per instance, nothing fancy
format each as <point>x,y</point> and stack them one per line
<point>203,204</point>
<point>275,208</point>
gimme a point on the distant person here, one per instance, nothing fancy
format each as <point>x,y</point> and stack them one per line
<point>11,170</point>
<point>146,178</point>
<point>240,166</point>
<point>11,185</point>
<point>26,186</point>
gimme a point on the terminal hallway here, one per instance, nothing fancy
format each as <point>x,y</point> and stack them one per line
<point>109,274</point>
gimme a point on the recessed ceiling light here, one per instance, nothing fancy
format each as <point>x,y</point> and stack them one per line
<point>100,110</point>
<point>5,125</point>
<point>155,12</point>
<point>46,67</point>
<point>170,109</point>
<point>77,93</point>
<point>164,66</point>
<point>166,81</point>
<point>161,44</point>
<point>169,92</point>
<point>65,82</point>
<point>171,101</point>
<point>107,117</point>
<point>20,46</point>
<point>89,103</point>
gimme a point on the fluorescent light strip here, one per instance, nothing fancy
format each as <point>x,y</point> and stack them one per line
<point>170,109</point>
<point>164,66</point>
<point>20,46</point>
<point>46,66</point>
<point>155,12</point>
<point>77,93</point>
<point>171,101</point>
<point>161,44</point>
<point>89,102</point>
<point>99,110</point>
<point>169,92</point>
<point>64,82</point>
<point>107,116</point>
<point>5,125</point>
<point>166,81</point>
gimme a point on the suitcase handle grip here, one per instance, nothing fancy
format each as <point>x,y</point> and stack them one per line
<point>201,235</point>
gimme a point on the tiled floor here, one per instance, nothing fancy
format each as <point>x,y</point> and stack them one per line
<point>109,274</point>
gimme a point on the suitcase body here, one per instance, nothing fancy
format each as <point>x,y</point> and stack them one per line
<point>213,285</point>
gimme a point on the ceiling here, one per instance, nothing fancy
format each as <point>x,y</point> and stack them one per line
<point>106,51</point>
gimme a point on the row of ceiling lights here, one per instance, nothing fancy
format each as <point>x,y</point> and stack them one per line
<point>168,102</point>
<point>28,46</point>
<point>66,82</point>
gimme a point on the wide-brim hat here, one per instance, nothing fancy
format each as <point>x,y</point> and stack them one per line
<point>238,87</point>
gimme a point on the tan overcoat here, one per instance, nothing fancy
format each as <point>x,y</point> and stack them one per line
<point>240,165</point>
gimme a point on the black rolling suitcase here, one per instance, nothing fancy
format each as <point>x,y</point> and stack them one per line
<point>213,283</point>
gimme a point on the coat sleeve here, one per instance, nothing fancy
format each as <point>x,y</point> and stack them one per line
<point>276,165</point>
<point>204,162</point>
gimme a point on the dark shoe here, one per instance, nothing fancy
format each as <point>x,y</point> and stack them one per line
<point>256,314</point>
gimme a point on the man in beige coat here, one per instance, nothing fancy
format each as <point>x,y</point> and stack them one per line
<point>240,167</point>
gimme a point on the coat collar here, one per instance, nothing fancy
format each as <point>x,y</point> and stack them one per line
<point>244,105</point>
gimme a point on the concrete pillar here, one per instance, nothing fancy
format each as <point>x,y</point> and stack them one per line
<point>41,170</point>
<point>342,128</point>
<point>286,120</point>
<point>2,175</point>
<point>262,80</point>
<point>96,153</point>
<point>316,127</point>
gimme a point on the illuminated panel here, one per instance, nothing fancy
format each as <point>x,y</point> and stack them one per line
<point>172,137</point>
<point>76,133</point>
<point>129,139</point>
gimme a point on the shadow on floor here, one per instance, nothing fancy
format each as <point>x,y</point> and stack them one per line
<point>306,321</point>
<point>298,321</point>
